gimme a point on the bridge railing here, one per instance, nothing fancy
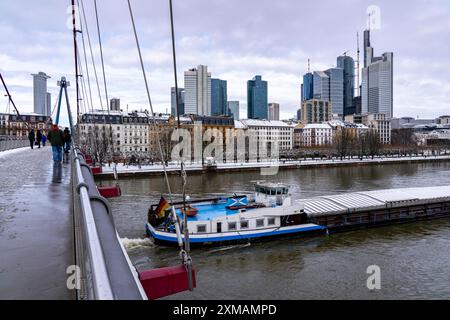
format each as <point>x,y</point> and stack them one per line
<point>7,143</point>
<point>106,271</point>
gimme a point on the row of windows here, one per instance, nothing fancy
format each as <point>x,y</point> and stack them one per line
<point>232,226</point>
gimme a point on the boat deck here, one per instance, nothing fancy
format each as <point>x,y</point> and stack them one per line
<point>209,211</point>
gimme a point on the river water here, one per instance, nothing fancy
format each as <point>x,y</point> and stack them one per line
<point>413,258</point>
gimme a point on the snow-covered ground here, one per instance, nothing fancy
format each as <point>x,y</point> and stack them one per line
<point>189,167</point>
<point>12,151</point>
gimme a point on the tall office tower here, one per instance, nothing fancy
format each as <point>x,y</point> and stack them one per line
<point>321,86</point>
<point>368,50</point>
<point>114,104</point>
<point>329,86</point>
<point>274,111</point>
<point>219,97</point>
<point>233,109</point>
<point>348,65</point>
<point>40,93</point>
<point>257,97</point>
<point>48,102</point>
<point>308,87</point>
<point>377,82</point>
<point>173,101</point>
<point>197,91</point>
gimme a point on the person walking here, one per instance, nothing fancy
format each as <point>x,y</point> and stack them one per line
<point>44,140</point>
<point>67,140</point>
<point>38,138</point>
<point>56,138</point>
<point>31,137</point>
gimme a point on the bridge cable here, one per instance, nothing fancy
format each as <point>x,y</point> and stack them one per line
<point>85,59</point>
<point>91,53</point>
<point>187,259</point>
<point>104,76</point>
<point>177,226</point>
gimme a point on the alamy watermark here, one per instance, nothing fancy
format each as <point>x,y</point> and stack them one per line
<point>374,280</point>
<point>74,277</point>
<point>374,17</point>
<point>229,146</point>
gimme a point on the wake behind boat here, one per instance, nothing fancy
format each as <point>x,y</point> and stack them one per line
<point>268,213</point>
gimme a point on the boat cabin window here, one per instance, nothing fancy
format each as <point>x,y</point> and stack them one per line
<point>244,224</point>
<point>231,226</point>
<point>272,191</point>
<point>201,228</point>
<point>271,221</point>
<point>259,223</point>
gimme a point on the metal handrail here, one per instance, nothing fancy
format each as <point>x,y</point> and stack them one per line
<point>101,283</point>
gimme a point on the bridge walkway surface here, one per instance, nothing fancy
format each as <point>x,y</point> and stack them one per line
<point>36,226</point>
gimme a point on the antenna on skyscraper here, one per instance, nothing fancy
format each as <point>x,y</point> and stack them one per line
<point>309,66</point>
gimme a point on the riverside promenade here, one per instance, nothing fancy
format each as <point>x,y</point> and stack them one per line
<point>174,168</point>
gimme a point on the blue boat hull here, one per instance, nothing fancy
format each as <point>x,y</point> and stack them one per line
<point>161,239</point>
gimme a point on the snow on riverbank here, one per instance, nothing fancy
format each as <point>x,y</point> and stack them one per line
<point>303,163</point>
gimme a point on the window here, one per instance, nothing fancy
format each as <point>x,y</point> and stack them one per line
<point>271,221</point>
<point>201,228</point>
<point>244,224</point>
<point>231,226</point>
<point>259,223</point>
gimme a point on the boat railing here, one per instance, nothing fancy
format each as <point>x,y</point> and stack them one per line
<point>106,272</point>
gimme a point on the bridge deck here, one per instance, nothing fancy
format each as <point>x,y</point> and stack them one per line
<point>36,226</point>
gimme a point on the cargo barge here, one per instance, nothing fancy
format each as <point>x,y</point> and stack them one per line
<point>270,213</point>
<point>358,210</point>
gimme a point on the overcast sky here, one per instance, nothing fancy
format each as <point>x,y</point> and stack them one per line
<point>237,39</point>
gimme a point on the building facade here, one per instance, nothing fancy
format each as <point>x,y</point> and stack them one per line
<point>219,98</point>
<point>257,98</point>
<point>41,98</point>
<point>270,132</point>
<point>348,65</point>
<point>233,108</point>
<point>308,87</point>
<point>197,88</point>
<point>377,81</point>
<point>173,101</point>
<point>329,85</point>
<point>274,111</point>
<point>114,104</point>
<point>316,111</point>
<point>315,134</point>
<point>381,123</point>
<point>19,127</point>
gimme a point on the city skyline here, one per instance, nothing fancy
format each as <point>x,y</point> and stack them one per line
<point>245,49</point>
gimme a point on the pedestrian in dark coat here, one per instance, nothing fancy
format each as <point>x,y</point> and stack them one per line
<point>67,140</point>
<point>56,138</point>
<point>39,138</point>
<point>31,137</point>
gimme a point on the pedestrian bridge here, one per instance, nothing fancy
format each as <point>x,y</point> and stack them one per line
<point>52,244</point>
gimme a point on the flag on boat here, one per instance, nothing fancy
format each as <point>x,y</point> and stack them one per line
<point>162,207</point>
<point>237,202</point>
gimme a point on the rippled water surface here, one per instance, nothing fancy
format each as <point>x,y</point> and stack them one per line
<point>414,258</point>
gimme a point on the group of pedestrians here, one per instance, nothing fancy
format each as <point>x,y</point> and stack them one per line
<point>37,138</point>
<point>60,140</point>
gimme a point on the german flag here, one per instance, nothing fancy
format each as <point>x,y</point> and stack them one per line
<point>162,207</point>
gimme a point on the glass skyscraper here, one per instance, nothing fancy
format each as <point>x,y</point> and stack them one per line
<point>257,107</point>
<point>219,97</point>
<point>348,65</point>
<point>233,109</point>
<point>308,87</point>
<point>377,81</point>
<point>174,101</point>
